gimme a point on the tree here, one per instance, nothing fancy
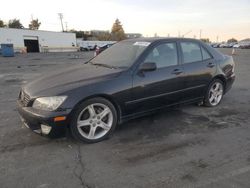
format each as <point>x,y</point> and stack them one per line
<point>205,40</point>
<point>101,35</point>
<point>79,34</point>
<point>15,23</point>
<point>2,24</point>
<point>117,32</point>
<point>34,24</point>
<point>104,36</point>
<point>232,40</point>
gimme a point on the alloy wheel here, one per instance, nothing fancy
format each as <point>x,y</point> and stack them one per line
<point>95,121</point>
<point>215,93</point>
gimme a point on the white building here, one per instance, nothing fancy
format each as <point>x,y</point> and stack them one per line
<point>38,41</point>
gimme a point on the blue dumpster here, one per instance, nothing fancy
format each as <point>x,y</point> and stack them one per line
<point>7,50</point>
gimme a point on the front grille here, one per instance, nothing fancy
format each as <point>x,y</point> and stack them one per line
<point>24,98</point>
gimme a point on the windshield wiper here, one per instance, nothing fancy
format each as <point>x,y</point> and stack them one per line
<point>104,65</point>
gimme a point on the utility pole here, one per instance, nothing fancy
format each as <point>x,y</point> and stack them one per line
<point>61,17</point>
<point>217,39</point>
<point>200,33</point>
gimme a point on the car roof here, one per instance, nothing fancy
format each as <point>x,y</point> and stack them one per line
<point>155,39</point>
<point>215,53</point>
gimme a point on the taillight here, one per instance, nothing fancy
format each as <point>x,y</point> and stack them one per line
<point>233,68</point>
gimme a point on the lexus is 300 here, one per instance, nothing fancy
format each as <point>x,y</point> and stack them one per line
<point>130,79</point>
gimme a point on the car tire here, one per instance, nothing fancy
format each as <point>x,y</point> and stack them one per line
<point>93,120</point>
<point>214,94</point>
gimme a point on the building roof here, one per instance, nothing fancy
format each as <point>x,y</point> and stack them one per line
<point>26,29</point>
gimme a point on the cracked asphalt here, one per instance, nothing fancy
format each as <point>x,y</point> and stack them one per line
<point>188,146</point>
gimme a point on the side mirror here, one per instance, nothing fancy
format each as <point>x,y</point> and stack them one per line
<point>148,66</point>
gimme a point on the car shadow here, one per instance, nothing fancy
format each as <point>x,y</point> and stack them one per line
<point>154,126</point>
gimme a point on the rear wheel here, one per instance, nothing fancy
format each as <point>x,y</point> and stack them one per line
<point>214,93</point>
<point>94,120</point>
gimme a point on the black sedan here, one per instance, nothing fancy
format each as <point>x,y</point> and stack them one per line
<point>130,79</point>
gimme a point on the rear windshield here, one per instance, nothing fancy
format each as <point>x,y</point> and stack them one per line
<point>122,54</point>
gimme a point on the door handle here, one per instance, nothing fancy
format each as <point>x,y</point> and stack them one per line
<point>177,71</point>
<point>210,65</point>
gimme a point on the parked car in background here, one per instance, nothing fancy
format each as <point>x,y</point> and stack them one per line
<point>245,46</point>
<point>131,78</point>
<point>236,46</point>
<point>88,45</point>
<point>99,50</point>
<point>216,45</point>
<point>230,45</point>
<point>223,45</point>
<point>86,48</point>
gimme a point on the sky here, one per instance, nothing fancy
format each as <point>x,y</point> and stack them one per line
<point>221,18</point>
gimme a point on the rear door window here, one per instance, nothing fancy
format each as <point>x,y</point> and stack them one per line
<point>205,54</point>
<point>191,52</point>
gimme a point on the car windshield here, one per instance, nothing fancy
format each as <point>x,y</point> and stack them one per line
<point>120,55</point>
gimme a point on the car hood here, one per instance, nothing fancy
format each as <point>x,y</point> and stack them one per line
<point>57,82</point>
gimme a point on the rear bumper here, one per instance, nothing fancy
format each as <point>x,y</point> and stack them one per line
<point>33,119</point>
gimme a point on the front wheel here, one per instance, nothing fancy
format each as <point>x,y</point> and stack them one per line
<point>214,93</point>
<point>94,120</point>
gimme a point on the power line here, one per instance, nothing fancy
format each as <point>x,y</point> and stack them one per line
<point>186,33</point>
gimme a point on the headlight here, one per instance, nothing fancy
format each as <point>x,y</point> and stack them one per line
<point>48,103</point>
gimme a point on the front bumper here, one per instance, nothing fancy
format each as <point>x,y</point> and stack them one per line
<point>33,119</point>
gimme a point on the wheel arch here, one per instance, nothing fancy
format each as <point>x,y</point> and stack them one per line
<point>105,96</point>
<point>217,77</point>
<point>221,78</point>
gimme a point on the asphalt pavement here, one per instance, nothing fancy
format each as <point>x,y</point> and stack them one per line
<point>188,146</point>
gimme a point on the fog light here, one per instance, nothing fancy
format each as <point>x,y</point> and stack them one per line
<point>45,129</point>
